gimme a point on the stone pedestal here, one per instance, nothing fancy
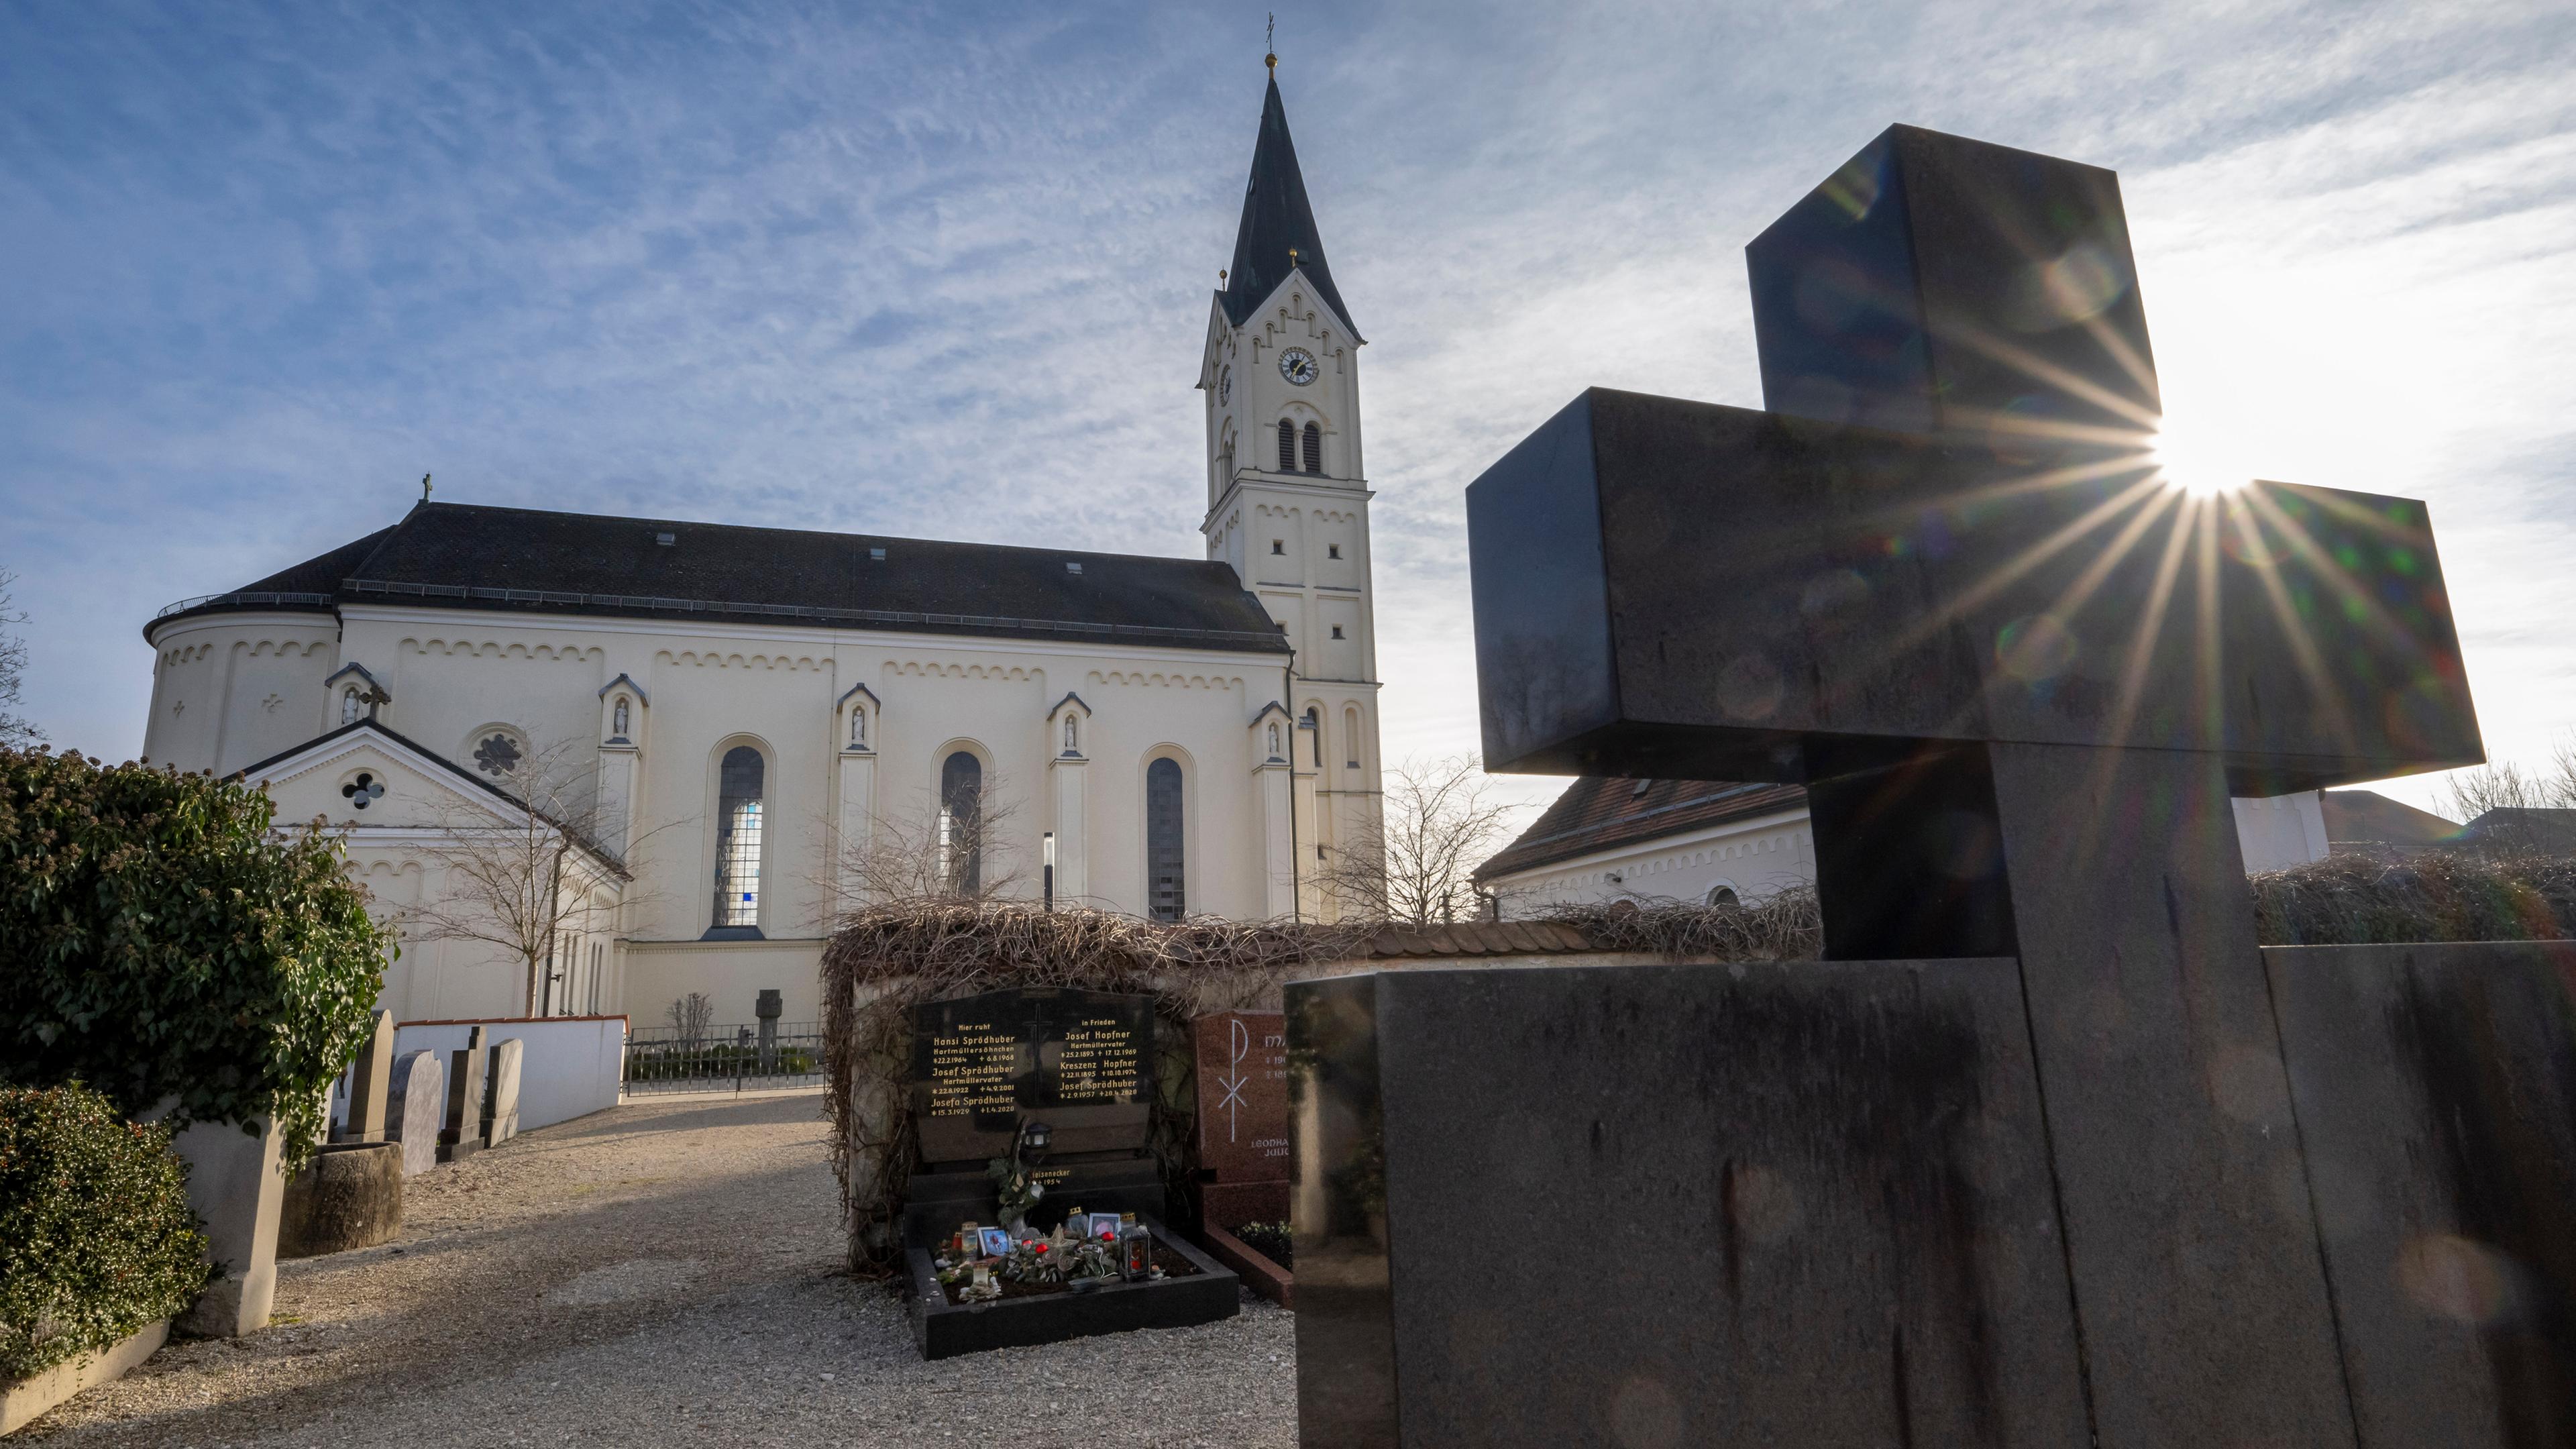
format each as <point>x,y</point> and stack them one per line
<point>350,1196</point>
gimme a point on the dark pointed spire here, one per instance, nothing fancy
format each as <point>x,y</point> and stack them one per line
<point>1277,220</point>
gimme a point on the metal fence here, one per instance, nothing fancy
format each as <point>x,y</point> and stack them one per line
<point>724,1058</point>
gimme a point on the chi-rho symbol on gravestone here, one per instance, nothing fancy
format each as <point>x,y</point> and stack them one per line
<point>1946,584</point>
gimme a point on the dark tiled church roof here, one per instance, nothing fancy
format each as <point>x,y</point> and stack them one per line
<point>1598,812</point>
<point>1277,217</point>
<point>463,556</point>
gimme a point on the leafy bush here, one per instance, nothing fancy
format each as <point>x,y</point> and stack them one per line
<point>96,1238</point>
<point>158,940</point>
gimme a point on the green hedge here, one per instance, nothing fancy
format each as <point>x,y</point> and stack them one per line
<point>158,940</point>
<point>96,1238</point>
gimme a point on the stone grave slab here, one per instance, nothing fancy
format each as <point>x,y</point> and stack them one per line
<point>944,1330</point>
<point>1766,1204</point>
<point>1079,1061</point>
<point>370,1078</point>
<point>2436,1096</point>
<point>501,1097</point>
<point>414,1108</point>
<point>1241,1062</point>
<point>465,1085</point>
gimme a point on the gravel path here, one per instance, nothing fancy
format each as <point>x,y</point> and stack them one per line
<point>665,1273</point>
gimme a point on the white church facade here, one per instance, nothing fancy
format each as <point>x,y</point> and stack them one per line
<point>730,731</point>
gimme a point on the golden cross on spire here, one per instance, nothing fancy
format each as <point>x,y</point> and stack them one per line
<point>1270,43</point>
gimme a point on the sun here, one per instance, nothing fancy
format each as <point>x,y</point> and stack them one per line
<point>2194,462</point>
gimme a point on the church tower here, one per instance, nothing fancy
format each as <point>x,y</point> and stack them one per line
<point>1288,497</point>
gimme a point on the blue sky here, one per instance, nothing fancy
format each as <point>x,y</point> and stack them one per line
<point>944,270</point>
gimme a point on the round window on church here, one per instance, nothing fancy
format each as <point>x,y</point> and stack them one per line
<point>497,753</point>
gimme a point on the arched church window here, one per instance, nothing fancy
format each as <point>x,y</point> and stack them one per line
<point>1315,735</point>
<point>617,724</point>
<point>1166,866</point>
<point>1314,449</point>
<point>349,705</point>
<point>741,781</point>
<point>1351,738</point>
<point>961,824</point>
<point>1287,446</point>
<point>1722,896</point>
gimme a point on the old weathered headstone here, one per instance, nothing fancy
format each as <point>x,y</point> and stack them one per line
<point>370,1078</point>
<point>1946,585</point>
<point>415,1107</point>
<point>501,1097</point>
<point>1242,1079</point>
<point>1081,1062</point>
<point>462,1134</point>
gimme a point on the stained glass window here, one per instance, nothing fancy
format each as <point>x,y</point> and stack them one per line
<point>738,814</point>
<point>1166,867</point>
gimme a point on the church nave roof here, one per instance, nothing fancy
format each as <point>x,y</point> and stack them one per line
<point>532,561</point>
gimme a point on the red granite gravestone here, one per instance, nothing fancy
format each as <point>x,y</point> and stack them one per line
<point>1243,1116</point>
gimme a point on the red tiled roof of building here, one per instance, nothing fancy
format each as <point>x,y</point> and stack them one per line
<point>1598,812</point>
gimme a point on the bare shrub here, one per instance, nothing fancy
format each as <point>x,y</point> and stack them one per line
<point>1415,864</point>
<point>690,1017</point>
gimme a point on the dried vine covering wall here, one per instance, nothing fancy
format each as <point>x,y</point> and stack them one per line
<point>891,958</point>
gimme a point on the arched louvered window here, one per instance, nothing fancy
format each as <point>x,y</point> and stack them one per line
<point>1166,898</point>
<point>741,781</point>
<point>1315,735</point>
<point>961,824</point>
<point>1314,449</point>
<point>1287,446</point>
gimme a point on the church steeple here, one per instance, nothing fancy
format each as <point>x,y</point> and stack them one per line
<point>1277,222</point>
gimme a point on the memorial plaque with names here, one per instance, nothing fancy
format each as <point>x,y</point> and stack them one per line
<point>1242,1059</point>
<point>1078,1061</point>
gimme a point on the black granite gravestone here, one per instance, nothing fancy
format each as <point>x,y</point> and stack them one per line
<point>1079,1061</point>
<point>1947,586</point>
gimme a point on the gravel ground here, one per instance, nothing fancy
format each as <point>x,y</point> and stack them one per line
<point>665,1273</point>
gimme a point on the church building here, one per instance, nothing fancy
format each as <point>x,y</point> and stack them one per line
<point>658,757</point>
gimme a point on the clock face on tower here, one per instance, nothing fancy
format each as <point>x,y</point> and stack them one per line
<point>1297,365</point>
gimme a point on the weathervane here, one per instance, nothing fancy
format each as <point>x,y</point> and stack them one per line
<point>1270,42</point>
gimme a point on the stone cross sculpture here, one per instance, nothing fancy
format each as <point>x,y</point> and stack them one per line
<point>1946,584</point>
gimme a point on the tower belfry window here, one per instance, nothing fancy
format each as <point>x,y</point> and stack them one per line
<point>1314,449</point>
<point>1287,446</point>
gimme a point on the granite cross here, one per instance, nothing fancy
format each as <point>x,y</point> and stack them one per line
<point>1946,584</point>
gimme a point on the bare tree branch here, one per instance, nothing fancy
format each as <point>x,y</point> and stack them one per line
<point>15,729</point>
<point>925,853</point>
<point>1435,824</point>
<point>524,886</point>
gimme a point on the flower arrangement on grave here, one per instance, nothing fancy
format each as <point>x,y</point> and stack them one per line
<point>1015,1183</point>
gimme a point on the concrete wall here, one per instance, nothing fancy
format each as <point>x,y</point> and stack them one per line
<point>571,1067</point>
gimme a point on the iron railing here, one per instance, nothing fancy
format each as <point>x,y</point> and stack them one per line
<point>724,1058</point>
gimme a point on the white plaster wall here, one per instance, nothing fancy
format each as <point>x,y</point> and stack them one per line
<point>568,1066</point>
<point>2282,831</point>
<point>232,689</point>
<point>1754,858</point>
<point>1757,857</point>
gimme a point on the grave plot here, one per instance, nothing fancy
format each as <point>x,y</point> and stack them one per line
<point>1035,1213</point>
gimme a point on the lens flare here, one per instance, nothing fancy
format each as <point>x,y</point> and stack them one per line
<point>2193,463</point>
